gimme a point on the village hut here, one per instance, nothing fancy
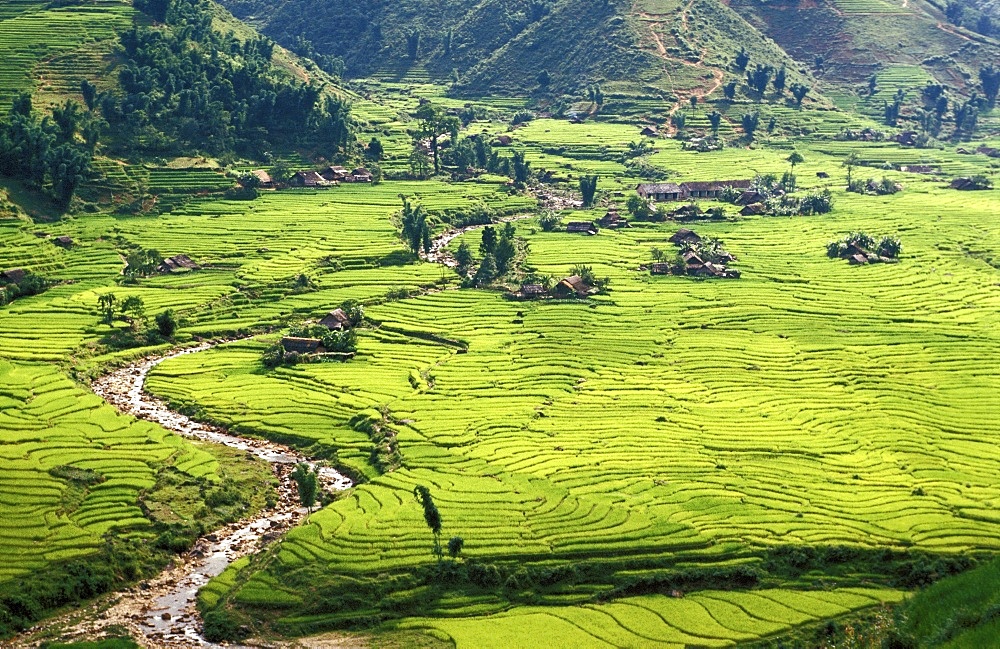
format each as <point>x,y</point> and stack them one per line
<point>581,227</point>
<point>302,345</point>
<point>649,131</point>
<point>684,237</point>
<point>12,276</point>
<point>361,175</point>
<point>857,259</point>
<point>712,188</point>
<point>531,291</point>
<point>822,174</point>
<point>659,268</point>
<point>306,179</point>
<point>63,241</point>
<point>573,285</point>
<point>963,184</point>
<point>177,263</point>
<point>755,209</point>
<point>335,174</point>
<point>660,191</point>
<point>336,320</point>
<point>613,220</point>
<point>263,178</point>
<point>907,138</point>
<point>504,140</point>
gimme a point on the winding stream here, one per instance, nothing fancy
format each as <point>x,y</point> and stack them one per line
<point>161,612</point>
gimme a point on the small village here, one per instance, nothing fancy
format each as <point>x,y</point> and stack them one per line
<point>328,177</point>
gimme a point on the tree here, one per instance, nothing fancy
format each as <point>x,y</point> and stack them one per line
<point>488,243</point>
<point>504,254</point>
<point>67,167</point>
<point>750,122</point>
<point>588,187</point>
<point>487,271</point>
<point>742,60</point>
<point>872,85</point>
<point>166,323</point>
<point>431,515</point>
<point>693,100</point>
<point>715,119</point>
<point>448,37</point>
<point>989,77</point>
<point>374,150</point>
<point>455,545</point>
<point>106,303</point>
<point>464,258</point>
<point>89,92</point>
<point>638,207</point>
<point>432,122</point>
<point>759,77</point>
<point>413,44</point>
<point>544,79</point>
<point>657,254</point>
<point>850,163</point>
<point>141,262</point>
<point>549,221</point>
<point>522,168</point>
<point>133,311</point>
<point>679,120</point>
<point>954,11</point>
<point>307,481</point>
<point>779,81</point>
<point>729,90</point>
<point>420,162</point>
<point>985,25</point>
<point>799,91</point>
<point>794,159</point>
<point>415,229</point>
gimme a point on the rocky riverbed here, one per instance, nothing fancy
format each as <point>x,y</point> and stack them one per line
<point>161,612</point>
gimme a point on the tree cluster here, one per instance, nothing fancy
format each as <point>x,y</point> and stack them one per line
<point>307,482</point>
<point>48,153</point>
<point>499,248</point>
<point>184,86</point>
<point>30,284</point>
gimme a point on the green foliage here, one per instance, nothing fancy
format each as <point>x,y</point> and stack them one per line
<point>415,229</point>
<point>177,94</point>
<point>455,545</point>
<point>141,262</point>
<point>30,284</point>
<point>307,481</point>
<point>166,323</point>
<point>431,515</point>
<point>588,188</point>
<point>549,221</point>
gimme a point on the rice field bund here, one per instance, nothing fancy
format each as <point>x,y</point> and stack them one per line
<point>668,460</point>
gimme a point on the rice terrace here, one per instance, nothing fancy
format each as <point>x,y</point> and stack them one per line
<point>499,324</point>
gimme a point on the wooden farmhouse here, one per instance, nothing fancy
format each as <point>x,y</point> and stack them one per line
<point>573,286</point>
<point>335,174</point>
<point>613,220</point>
<point>690,189</point>
<point>302,345</point>
<point>12,276</point>
<point>336,320</point>
<point>660,191</point>
<point>263,178</point>
<point>63,242</point>
<point>306,179</point>
<point>177,263</point>
<point>685,237</point>
<point>581,227</point>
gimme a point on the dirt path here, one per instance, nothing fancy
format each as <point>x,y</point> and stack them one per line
<point>682,96</point>
<point>161,612</point>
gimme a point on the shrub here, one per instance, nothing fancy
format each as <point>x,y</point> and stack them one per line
<point>549,221</point>
<point>166,324</point>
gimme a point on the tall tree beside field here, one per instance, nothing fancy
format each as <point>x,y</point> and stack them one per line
<point>750,122</point>
<point>799,91</point>
<point>779,81</point>
<point>850,163</point>
<point>522,169</point>
<point>431,515</point>
<point>588,188</point>
<point>742,60</point>
<point>415,230</point>
<point>464,259</point>
<point>307,482</point>
<point>794,159</point>
<point>729,90</point>
<point>107,303</point>
<point>413,45</point>
<point>989,77</point>
<point>715,119</point>
<point>432,123</point>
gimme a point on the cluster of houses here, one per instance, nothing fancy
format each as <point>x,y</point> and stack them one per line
<point>568,287</point>
<point>970,184</point>
<point>328,177</point>
<point>611,221</point>
<point>687,190</point>
<point>695,262</point>
<point>336,320</point>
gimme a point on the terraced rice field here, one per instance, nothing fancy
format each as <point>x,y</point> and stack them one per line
<point>810,402</point>
<point>47,422</point>
<point>705,619</point>
<point>32,32</point>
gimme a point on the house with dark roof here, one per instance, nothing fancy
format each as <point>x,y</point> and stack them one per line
<point>649,131</point>
<point>335,174</point>
<point>177,263</point>
<point>263,178</point>
<point>573,286</point>
<point>361,175</point>
<point>12,276</point>
<point>660,191</point>
<point>712,188</point>
<point>684,237</point>
<point>581,227</point>
<point>613,220</point>
<point>531,291</point>
<point>306,179</point>
<point>63,241</point>
<point>302,345</point>
<point>659,268</point>
<point>336,320</point>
